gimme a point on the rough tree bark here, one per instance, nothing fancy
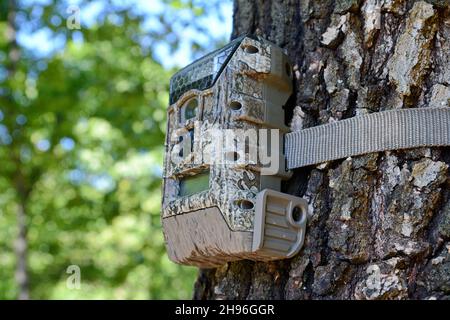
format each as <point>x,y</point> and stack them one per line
<point>381,222</point>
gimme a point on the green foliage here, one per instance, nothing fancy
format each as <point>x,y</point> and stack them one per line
<point>81,143</point>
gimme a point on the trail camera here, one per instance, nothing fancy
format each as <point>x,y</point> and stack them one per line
<point>224,159</point>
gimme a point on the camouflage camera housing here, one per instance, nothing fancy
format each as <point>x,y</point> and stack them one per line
<point>232,209</point>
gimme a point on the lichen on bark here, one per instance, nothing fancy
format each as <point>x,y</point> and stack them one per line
<point>412,53</point>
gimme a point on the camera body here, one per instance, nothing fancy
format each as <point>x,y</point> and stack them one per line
<point>224,160</point>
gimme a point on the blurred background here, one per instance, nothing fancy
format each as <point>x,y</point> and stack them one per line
<point>83,94</point>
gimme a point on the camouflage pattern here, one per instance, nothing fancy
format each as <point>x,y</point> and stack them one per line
<point>244,80</point>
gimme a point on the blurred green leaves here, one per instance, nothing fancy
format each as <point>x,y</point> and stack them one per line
<point>83,129</point>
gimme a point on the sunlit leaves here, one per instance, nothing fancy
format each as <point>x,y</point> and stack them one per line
<point>84,126</point>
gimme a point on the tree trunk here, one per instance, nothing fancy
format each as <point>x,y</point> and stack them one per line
<point>22,192</point>
<point>21,247</point>
<point>381,222</point>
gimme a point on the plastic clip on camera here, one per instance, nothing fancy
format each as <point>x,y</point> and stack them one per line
<point>214,212</point>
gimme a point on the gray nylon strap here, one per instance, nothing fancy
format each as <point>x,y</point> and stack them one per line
<point>380,131</point>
